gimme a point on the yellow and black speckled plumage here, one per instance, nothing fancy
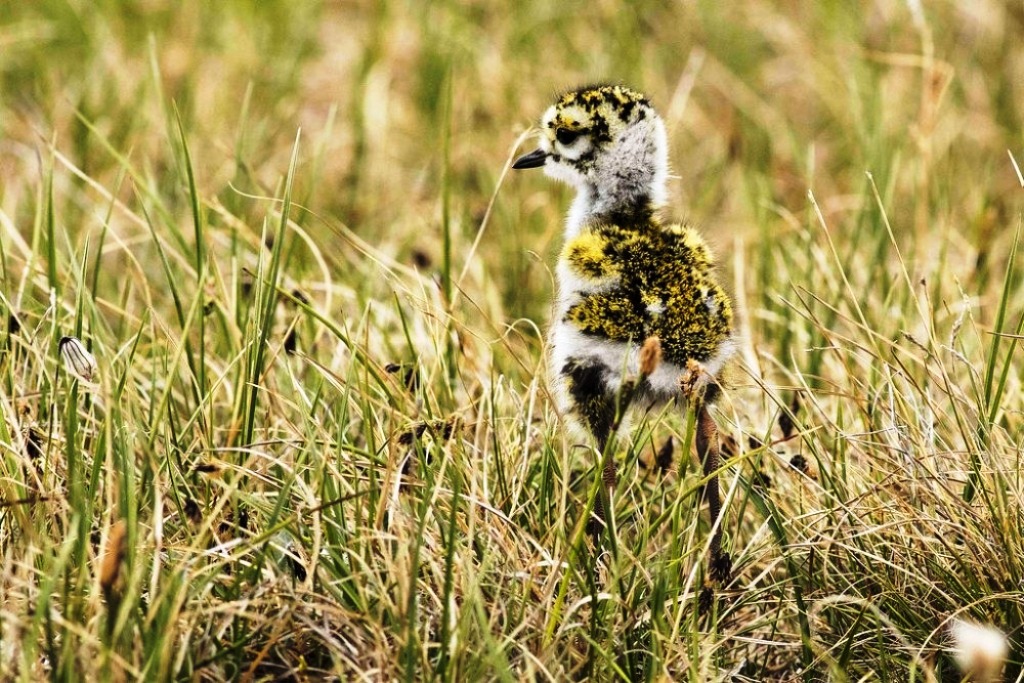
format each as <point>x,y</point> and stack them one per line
<point>625,277</point>
<point>650,280</point>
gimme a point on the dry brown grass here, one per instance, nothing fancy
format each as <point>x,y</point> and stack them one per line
<point>850,166</point>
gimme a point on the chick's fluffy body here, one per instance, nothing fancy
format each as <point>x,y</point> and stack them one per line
<point>623,274</point>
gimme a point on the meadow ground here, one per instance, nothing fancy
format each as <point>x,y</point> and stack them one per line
<point>318,441</point>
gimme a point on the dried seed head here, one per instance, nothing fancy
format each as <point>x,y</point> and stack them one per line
<point>34,438</point>
<point>77,359</point>
<point>693,381</point>
<point>407,372</point>
<point>804,466</point>
<point>787,419</point>
<point>291,342</point>
<point>289,555</point>
<point>246,283</point>
<point>979,650</point>
<point>192,511</point>
<point>650,356</point>
<point>117,548</point>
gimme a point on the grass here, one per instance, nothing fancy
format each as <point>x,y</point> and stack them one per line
<point>319,441</point>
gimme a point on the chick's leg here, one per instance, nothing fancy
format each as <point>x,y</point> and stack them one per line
<point>593,402</point>
<point>707,448</point>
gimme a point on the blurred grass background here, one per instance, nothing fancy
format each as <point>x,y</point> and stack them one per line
<point>258,372</point>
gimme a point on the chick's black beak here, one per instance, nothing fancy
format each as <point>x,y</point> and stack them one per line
<point>532,160</point>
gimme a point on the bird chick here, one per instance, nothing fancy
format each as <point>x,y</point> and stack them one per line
<point>625,276</point>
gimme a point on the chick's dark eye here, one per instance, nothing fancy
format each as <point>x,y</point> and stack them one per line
<point>566,136</point>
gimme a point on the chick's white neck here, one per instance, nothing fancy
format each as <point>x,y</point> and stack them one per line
<point>589,206</point>
<point>631,175</point>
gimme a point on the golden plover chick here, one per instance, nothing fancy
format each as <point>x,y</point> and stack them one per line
<point>629,283</point>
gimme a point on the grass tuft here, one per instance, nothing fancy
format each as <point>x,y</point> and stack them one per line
<point>305,431</point>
